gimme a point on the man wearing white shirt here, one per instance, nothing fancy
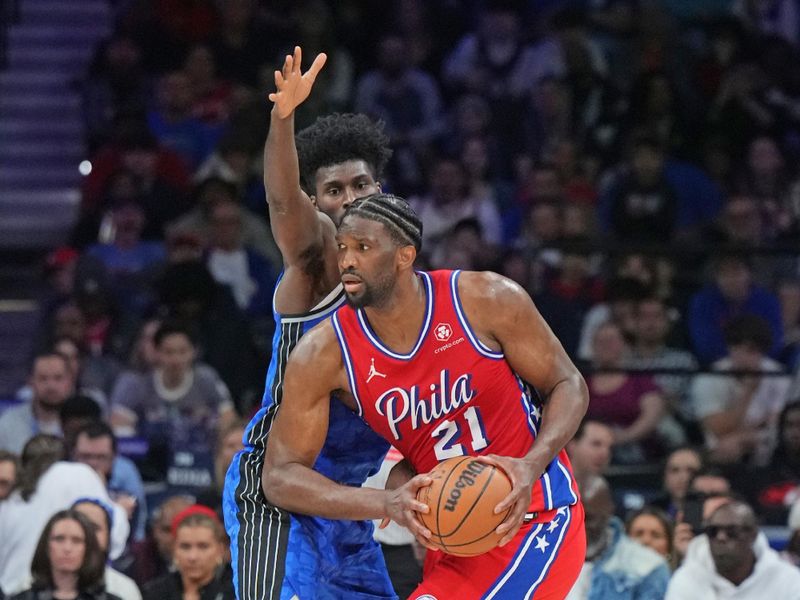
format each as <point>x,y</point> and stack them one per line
<point>733,561</point>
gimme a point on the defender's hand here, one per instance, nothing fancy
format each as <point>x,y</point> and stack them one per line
<point>293,86</point>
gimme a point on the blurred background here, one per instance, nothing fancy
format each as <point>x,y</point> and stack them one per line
<point>633,164</point>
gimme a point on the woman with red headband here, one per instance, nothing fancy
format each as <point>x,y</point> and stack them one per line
<point>199,552</point>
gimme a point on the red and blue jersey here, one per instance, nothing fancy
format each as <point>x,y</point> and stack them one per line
<point>450,395</point>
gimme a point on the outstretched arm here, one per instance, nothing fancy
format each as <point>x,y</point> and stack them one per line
<point>313,372</point>
<point>505,317</point>
<point>295,220</point>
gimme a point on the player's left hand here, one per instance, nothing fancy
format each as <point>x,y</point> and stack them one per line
<point>522,479</point>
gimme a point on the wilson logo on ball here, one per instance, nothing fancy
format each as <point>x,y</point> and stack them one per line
<point>443,332</point>
<point>466,478</point>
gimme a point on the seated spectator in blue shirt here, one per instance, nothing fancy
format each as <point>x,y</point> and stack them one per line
<point>173,124</point>
<point>129,262</point>
<point>731,293</point>
<point>616,566</point>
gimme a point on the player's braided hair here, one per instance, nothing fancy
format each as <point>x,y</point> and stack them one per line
<point>338,138</point>
<point>394,213</point>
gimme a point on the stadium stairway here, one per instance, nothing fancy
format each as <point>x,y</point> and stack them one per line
<point>41,139</point>
<point>49,45</point>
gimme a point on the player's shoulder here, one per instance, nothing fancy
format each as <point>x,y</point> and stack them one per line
<point>489,287</point>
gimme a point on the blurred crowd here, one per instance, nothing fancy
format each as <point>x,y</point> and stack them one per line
<point>631,163</point>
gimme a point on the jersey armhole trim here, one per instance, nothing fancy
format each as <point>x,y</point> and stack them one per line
<point>462,318</point>
<point>327,305</point>
<point>348,363</point>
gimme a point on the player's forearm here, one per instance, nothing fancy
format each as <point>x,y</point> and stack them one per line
<point>296,488</point>
<point>281,165</point>
<point>563,412</point>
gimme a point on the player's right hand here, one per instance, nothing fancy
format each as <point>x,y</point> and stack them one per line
<point>401,506</point>
<point>292,85</point>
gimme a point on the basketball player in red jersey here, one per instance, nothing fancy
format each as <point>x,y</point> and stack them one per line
<point>434,362</point>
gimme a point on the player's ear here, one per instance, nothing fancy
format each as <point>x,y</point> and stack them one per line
<point>378,185</point>
<point>313,199</point>
<point>406,256</point>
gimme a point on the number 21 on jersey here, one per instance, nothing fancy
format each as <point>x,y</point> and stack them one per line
<point>450,439</point>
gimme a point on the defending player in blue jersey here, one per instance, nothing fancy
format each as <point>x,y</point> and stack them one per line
<point>277,555</point>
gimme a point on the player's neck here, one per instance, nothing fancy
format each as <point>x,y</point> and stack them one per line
<point>398,323</point>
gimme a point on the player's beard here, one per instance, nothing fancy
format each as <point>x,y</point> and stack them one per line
<point>373,294</point>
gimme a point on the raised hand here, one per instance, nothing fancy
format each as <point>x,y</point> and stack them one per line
<point>293,86</point>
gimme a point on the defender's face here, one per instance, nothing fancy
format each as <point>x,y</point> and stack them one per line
<point>366,261</point>
<point>338,185</point>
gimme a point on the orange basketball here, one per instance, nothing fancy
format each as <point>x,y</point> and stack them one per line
<point>461,499</point>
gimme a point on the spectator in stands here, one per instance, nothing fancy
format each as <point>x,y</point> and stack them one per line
<point>178,406</point>
<point>9,472</point>
<point>255,233</point>
<point>710,482</point>
<point>650,351</point>
<point>249,276</point>
<point>52,383</point>
<point>94,375</point>
<point>643,206</point>
<point>772,490</point>
<point>789,295</point>
<point>679,469</point>
<point>130,263</point>
<point>67,562</point>
<point>494,60</point>
<point>212,94</point>
<point>449,202</point>
<point>616,566</point>
<point>624,294</point>
<point>189,294</point>
<point>174,126</point>
<point>631,403</point>
<point>102,517</point>
<point>733,560</point>
<point>741,227</point>
<point>116,83</point>
<point>232,161</point>
<point>136,164</point>
<point>144,355</point>
<point>241,43</point>
<point>153,555</point>
<point>569,289</point>
<point>766,178</point>
<point>652,527</point>
<point>199,555</point>
<point>730,294</point>
<point>408,101</point>
<point>740,412</point>
<point>46,485</point>
<point>93,443</point>
<point>110,328</point>
<point>229,442</point>
<point>590,449</point>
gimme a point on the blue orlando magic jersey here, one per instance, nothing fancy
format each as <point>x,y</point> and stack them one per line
<point>352,451</point>
<point>278,555</point>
